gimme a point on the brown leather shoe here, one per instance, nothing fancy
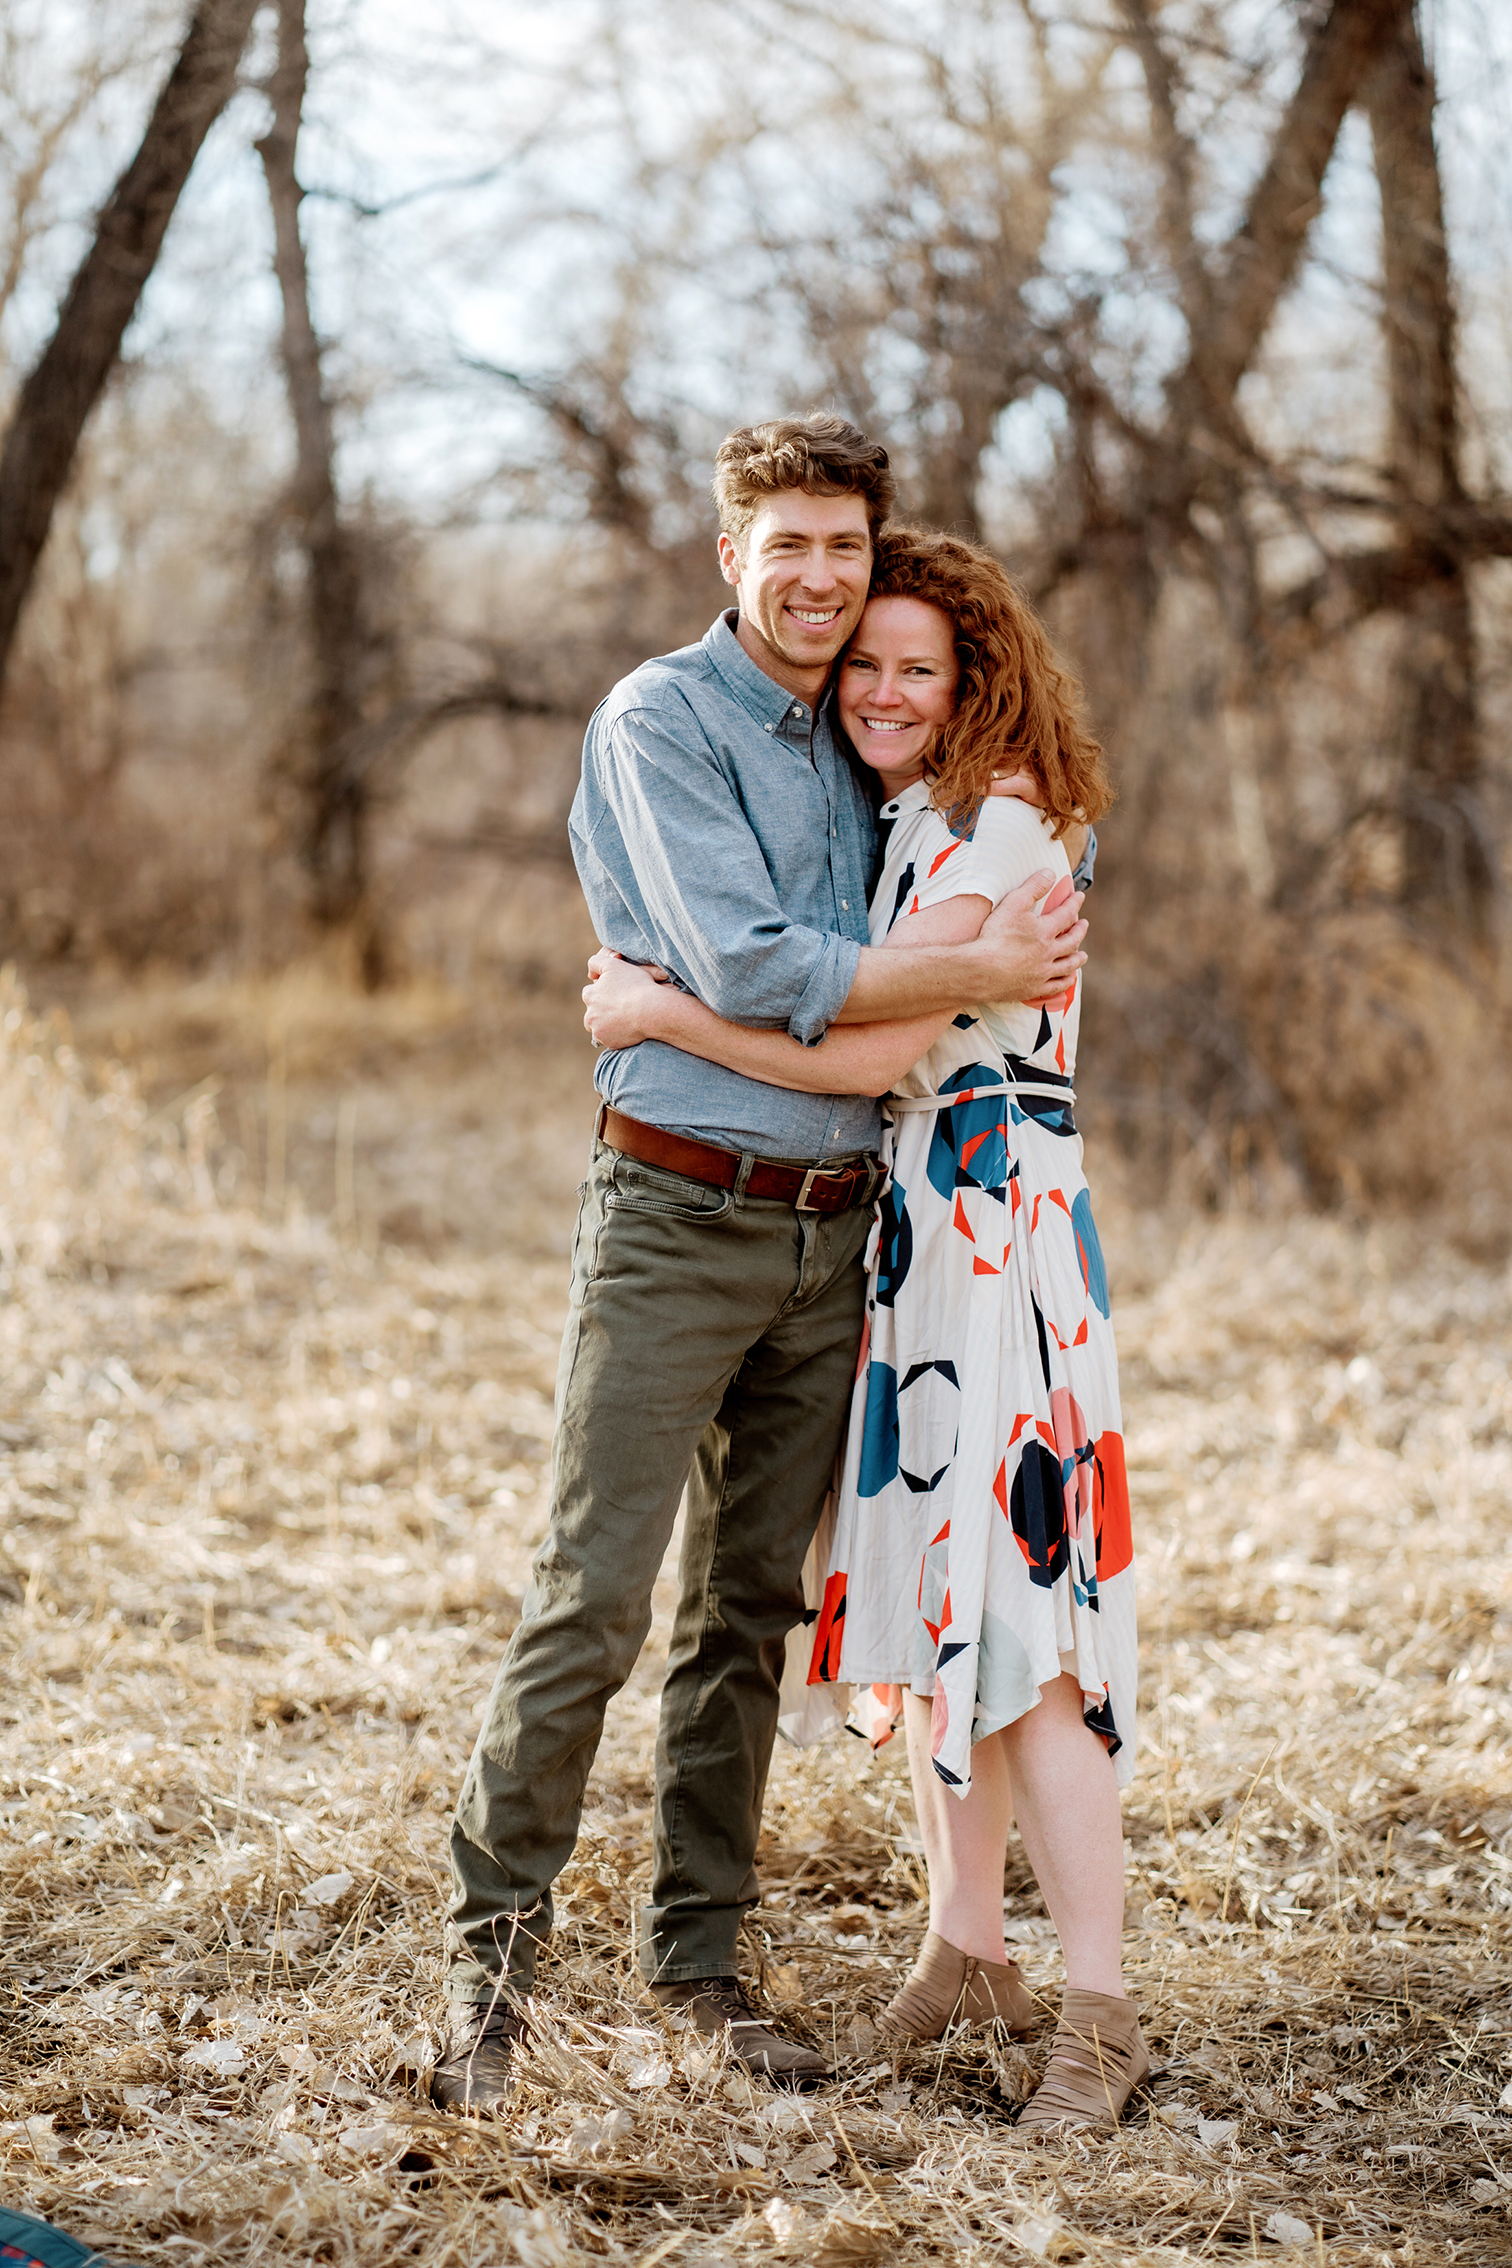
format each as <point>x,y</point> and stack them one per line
<point>716,2004</point>
<point>474,2074</point>
<point>949,1987</point>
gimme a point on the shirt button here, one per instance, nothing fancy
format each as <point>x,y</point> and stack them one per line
<point>797,708</point>
<point>845,905</point>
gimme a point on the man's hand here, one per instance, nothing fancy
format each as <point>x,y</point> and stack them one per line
<point>1022,784</point>
<point>1036,946</point>
<point>619,999</point>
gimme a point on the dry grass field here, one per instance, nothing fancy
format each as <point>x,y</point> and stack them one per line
<point>278,1312</point>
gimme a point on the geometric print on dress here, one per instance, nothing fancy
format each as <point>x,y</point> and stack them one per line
<point>1068,1493</point>
<point>986,1237</point>
<point>1034,1502</point>
<point>1111,1518</point>
<point>1089,1252</point>
<point>895,1245</point>
<point>824,1669</point>
<point>929,1425</point>
<point>910,1429</point>
<point>969,1146</point>
<point>1068,1497</point>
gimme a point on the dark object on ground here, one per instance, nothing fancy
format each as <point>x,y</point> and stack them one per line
<point>474,2074</point>
<point>712,2003</point>
<point>25,2243</point>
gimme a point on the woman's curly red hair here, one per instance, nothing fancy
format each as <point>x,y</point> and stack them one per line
<point>1016,708</point>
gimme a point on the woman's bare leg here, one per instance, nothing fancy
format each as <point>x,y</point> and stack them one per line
<point>1066,1800</point>
<point>1058,1777</point>
<point>965,1841</point>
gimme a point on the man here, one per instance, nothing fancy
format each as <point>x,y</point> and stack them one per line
<point>717,1282</point>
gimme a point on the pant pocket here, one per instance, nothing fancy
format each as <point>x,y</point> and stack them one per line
<point>641,1188</point>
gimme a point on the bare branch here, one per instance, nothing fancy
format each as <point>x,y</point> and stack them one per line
<point>450,185</point>
<point>552,849</point>
<point>67,381</point>
<point>388,740</point>
<point>1178,164</point>
<point>1261,258</point>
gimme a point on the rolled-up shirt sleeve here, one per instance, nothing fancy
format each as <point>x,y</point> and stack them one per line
<point>660,815</point>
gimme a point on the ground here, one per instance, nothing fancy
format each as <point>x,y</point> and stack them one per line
<point>279,1301</point>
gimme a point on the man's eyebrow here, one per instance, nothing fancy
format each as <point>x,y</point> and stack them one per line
<point>851,536</point>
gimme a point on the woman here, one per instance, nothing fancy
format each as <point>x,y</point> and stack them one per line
<point>981,1559</point>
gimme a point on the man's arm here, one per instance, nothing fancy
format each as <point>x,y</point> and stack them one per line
<point>1023,952</point>
<point>625,1005</point>
<point>711,917</point>
<point>659,833</point>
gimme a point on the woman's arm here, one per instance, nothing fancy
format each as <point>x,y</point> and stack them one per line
<point>625,1004</point>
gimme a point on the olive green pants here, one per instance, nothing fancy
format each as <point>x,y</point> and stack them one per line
<point>711,1340</point>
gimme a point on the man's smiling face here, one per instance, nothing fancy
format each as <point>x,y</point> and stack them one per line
<point>800,576</point>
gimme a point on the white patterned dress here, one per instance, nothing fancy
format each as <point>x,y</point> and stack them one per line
<point>982,1540</point>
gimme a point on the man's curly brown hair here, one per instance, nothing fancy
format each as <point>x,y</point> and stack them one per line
<point>823,454</point>
<point>1016,708</point>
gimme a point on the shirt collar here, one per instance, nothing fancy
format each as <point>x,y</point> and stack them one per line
<point>912,799</point>
<point>761,696</point>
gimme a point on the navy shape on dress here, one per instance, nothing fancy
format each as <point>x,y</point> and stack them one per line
<point>1037,1508</point>
<point>968,1149</point>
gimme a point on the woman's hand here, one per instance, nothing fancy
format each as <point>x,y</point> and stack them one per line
<point>620,1000</point>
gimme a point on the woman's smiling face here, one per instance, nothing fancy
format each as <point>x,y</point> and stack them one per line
<point>897,686</point>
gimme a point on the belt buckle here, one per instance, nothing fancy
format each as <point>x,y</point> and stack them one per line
<point>801,1201</point>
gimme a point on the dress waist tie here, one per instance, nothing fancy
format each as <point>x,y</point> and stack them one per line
<point>1065,1095</point>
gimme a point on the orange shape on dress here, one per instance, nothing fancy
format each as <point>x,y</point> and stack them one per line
<point>1110,1507</point>
<point>825,1659</point>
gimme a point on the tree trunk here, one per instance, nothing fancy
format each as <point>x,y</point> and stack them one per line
<point>1447,867</point>
<point>1260,260</point>
<point>334,793</point>
<point>57,398</point>
<point>1229,299</point>
<point>952,467</point>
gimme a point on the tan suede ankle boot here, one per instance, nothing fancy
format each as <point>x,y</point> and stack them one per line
<point>1097,2059</point>
<point>950,1987</point>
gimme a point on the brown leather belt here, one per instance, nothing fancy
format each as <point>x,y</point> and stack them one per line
<point>814,1190</point>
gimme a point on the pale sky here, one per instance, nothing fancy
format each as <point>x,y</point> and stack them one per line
<point>521,260</point>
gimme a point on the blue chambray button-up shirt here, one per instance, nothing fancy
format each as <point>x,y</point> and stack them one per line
<point>722,830</point>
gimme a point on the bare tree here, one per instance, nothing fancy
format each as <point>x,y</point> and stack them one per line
<point>41,108</point>
<point>1204,459</point>
<point>333,791</point>
<point>56,400</point>
<point>1446,863</point>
